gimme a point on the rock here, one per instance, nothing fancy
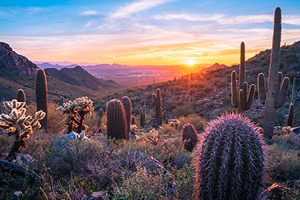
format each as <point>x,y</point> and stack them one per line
<point>67,138</point>
<point>296,130</point>
<point>134,137</point>
<point>101,195</point>
<point>274,192</point>
<point>278,128</point>
<point>151,124</point>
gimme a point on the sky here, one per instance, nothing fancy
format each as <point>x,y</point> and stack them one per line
<point>144,32</point>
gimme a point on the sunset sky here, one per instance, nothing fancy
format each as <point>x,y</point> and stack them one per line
<point>144,32</point>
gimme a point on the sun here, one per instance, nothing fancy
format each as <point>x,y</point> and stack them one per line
<point>190,63</point>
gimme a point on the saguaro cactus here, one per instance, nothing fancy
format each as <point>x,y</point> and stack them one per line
<point>189,136</point>
<point>158,109</point>
<point>291,107</point>
<point>239,98</point>
<point>230,159</point>
<point>277,88</point>
<point>142,118</point>
<point>21,97</point>
<point>19,125</point>
<point>128,110</point>
<point>42,95</point>
<point>116,120</point>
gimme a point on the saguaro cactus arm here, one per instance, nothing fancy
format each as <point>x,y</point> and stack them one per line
<point>284,89</point>
<point>261,88</point>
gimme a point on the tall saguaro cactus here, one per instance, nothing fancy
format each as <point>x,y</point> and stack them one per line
<point>42,95</point>
<point>128,110</point>
<point>239,98</point>
<point>277,88</point>
<point>158,108</point>
<point>116,120</point>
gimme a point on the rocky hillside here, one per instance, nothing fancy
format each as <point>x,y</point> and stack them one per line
<point>17,72</point>
<point>207,93</point>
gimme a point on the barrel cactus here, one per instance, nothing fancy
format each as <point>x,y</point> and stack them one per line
<point>230,159</point>
<point>189,136</point>
<point>128,110</point>
<point>42,95</point>
<point>116,120</point>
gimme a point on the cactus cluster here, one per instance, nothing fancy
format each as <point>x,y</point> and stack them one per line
<point>158,109</point>
<point>277,86</point>
<point>189,137</point>
<point>19,125</point>
<point>116,120</point>
<point>239,97</point>
<point>41,91</point>
<point>230,159</point>
<point>77,111</point>
<point>128,111</point>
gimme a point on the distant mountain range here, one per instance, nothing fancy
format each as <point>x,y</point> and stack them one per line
<point>17,72</point>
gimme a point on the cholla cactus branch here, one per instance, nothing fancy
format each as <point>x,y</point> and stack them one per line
<point>16,123</point>
<point>76,110</point>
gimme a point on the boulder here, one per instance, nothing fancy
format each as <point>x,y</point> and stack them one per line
<point>101,195</point>
<point>296,130</point>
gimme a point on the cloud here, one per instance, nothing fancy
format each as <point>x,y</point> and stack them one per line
<point>89,13</point>
<point>89,23</point>
<point>291,19</point>
<point>126,11</point>
<point>221,19</point>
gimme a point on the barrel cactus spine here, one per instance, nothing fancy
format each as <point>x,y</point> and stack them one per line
<point>116,120</point>
<point>277,86</point>
<point>230,159</point>
<point>128,110</point>
<point>189,137</point>
<point>41,91</point>
<point>239,97</point>
<point>158,109</point>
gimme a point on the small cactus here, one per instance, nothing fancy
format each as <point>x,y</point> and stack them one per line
<point>116,120</point>
<point>158,109</point>
<point>21,97</point>
<point>142,117</point>
<point>189,136</point>
<point>42,95</point>
<point>277,86</point>
<point>19,125</point>
<point>128,110</point>
<point>100,115</point>
<point>133,120</point>
<point>230,159</point>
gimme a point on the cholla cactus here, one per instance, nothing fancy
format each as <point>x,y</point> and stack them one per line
<point>230,159</point>
<point>76,110</point>
<point>16,123</point>
<point>132,129</point>
<point>189,136</point>
<point>287,129</point>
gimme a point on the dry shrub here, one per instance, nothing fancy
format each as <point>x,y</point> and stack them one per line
<point>198,122</point>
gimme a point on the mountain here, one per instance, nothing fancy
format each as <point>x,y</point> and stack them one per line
<point>46,65</point>
<point>213,67</point>
<point>17,72</point>
<point>80,77</point>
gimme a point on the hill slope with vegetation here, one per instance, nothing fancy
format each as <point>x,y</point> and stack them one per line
<point>17,72</point>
